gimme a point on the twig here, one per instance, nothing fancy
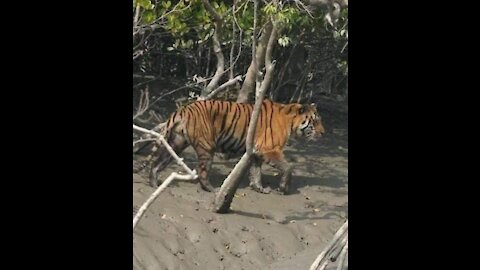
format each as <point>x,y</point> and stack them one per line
<point>157,192</point>
<point>135,19</point>
<point>143,140</point>
<point>143,103</point>
<point>328,248</point>
<point>307,9</point>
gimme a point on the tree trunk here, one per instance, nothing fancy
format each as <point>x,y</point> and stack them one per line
<point>217,49</point>
<point>249,83</point>
<point>224,197</point>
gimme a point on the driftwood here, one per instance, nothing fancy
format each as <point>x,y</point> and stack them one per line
<point>340,237</point>
<point>192,174</point>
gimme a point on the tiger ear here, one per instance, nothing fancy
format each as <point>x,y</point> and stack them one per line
<point>303,109</point>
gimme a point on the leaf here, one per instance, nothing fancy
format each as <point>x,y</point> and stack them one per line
<point>149,16</point>
<point>284,41</point>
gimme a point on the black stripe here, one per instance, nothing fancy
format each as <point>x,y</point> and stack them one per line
<point>250,109</point>
<point>235,116</point>
<point>170,120</point>
<point>242,114</point>
<point>244,131</point>
<point>229,143</point>
<point>215,111</point>
<point>197,106</point>
<point>204,115</point>
<point>194,126</point>
<point>201,112</point>
<point>231,130</point>
<point>225,115</point>
<point>240,146</point>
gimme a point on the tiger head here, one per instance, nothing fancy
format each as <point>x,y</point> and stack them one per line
<point>307,122</point>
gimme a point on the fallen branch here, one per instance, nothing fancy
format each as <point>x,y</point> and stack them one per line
<point>321,259</point>
<point>167,146</point>
<point>157,192</point>
<point>343,256</point>
<point>336,251</point>
<point>192,174</point>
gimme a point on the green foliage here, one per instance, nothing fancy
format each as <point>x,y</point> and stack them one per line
<point>148,16</point>
<point>145,4</point>
<point>270,9</point>
<point>185,27</point>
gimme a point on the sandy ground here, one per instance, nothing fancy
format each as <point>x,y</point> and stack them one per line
<point>263,231</point>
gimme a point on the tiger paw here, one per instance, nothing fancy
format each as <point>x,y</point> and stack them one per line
<point>208,188</point>
<point>264,190</point>
<point>282,190</point>
<point>153,183</point>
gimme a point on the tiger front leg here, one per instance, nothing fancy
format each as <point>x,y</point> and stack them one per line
<point>278,161</point>
<point>159,165</point>
<point>256,177</point>
<point>205,158</point>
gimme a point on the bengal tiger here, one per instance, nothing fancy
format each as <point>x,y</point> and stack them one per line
<point>216,126</point>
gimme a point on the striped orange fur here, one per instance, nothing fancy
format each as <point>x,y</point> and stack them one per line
<point>211,126</point>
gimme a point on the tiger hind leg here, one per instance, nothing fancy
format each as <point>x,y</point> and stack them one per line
<point>178,144</point>
<point>256,176</point>
<point>205,158</point>
<point>277,160</point>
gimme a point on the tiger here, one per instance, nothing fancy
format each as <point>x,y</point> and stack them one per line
<point>218,126</point>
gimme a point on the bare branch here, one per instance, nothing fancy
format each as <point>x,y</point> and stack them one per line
<point>300,5</point>
<point>135,19</point>
<point>143,103</point>
<point>137,54</point>
<point>221,87</point>
<point>321,3</point>
<point>258,61</point>
<point>232,49</point>
<point>167,146</point>
<point>217,49</point>
<point>320,260</point>
<point>143,140</point>
<point>341,260</point>
<point>338,248</point>
<point>192,174</point>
